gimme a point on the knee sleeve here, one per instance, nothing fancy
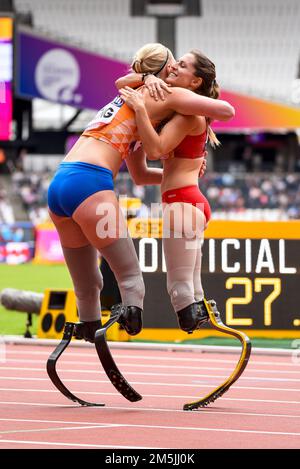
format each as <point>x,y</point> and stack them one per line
<point>83,266</point>
<point>123,261</point>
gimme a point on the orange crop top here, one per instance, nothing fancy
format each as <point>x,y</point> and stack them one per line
<point>114,124</point>
<point>192,146</point>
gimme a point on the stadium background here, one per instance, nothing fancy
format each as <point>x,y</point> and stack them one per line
<point>58,63</point>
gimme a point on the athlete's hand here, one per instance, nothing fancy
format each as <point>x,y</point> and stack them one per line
<point>156,87</point>
<point>132,98</point>
<point>203,166</point>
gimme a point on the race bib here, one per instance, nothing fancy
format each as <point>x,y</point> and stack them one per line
<point>108,112</point>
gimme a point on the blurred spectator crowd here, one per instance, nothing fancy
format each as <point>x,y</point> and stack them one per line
<point>230,193</point>
<point>261,196</point>
<point>32,190</point>
<point>6,209</point>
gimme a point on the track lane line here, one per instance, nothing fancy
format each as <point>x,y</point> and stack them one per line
<point>144,409</point>
<point>235,387</point>
<point>48,429</point>
<point>160,396</point>
<point>77,445</point>
<point>188,356</point>
<point>138,373</point>
<point>201,429</point>
<point>141,365</point>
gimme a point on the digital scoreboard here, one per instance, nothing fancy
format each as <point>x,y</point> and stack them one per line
<point>251,269</point>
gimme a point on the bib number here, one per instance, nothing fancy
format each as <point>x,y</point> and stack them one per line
<point>108,112</point>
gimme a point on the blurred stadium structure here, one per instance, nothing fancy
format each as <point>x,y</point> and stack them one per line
<point>255,46</point>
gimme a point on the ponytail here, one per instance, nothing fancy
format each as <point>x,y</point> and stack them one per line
<point>214,93</point>
<point>213,139</point>
<point>137,66</point>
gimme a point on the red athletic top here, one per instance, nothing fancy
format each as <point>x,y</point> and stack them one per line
<point>192,146</point>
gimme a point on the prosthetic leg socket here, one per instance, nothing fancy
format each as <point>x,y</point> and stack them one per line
<point>192,317</point>
<point>86,330</point>
<point>130,318</point>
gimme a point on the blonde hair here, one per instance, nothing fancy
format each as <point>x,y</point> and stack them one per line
<point>150,58</point>
<point>206,69</point>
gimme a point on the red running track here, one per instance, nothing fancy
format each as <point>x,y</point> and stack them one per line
<point>261,410</point>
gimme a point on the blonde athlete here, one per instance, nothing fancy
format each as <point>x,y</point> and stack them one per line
<point>85,209</point>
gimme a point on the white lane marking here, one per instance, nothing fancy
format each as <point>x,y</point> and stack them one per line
<point>161,357</point>
<point>141,365</point>
<point>48,429</point>
<point>233,430</point>
<point>144,409</point>
<point>138,373</point>
<point>86,425</point>
<point>97,393</point>
<point>193,385</point>
<point>75,445</point>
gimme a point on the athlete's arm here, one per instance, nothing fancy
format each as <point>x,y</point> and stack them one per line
<point>187,102</point>
<point>156,86</point>
<point>140,172</point>
<point>172,134</point>
<point>131,79</point>
<point>168,139</point>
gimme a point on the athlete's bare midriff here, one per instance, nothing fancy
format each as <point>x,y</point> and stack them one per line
<point>93,151</point>
<point>180,172</point>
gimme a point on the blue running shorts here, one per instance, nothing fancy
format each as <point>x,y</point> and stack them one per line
<point>74,182</point>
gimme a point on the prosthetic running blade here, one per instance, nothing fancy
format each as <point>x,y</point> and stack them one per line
<point>51,366</point>
<point>108,363</point>
<point>216,322</point>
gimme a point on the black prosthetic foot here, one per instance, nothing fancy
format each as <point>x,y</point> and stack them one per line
<point>203,314</point>
<point>52,361</point>
<point>130,318</point>
<point>86,330</point>
<point>107,360</point>
<point>192,317</point>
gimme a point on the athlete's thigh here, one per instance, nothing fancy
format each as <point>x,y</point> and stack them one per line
<point>101,219</point>
<point>70,233</point>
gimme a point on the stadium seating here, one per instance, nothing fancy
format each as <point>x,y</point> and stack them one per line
<point>254,44</point>
<point>102,26</point>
